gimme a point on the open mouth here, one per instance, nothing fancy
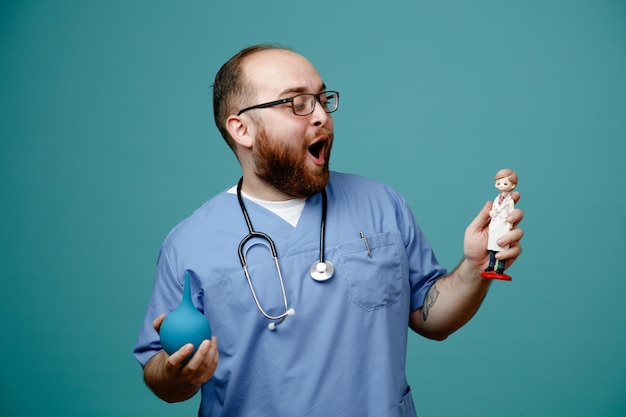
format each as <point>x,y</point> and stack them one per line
<point>316,149</point>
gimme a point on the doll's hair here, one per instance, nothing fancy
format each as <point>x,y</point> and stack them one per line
<point>507,173</point>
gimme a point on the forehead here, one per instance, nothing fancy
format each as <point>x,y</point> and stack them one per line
<point>275,73</point>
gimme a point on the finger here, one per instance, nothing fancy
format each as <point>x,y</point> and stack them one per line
<point>209,359</point>
<point>482,219</point>
<point>177,359</point>
<point>515,217</point>
<point>512,253</point>
<point>203,363</point>
<point>210,363</point>
<point>515,196</point>
<point>196,360</point>
<point>158,321</point>
<point>511,238</point>
<point>213,353</point>
<point>509,256</point>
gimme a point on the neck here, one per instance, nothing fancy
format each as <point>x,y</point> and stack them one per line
<point>259,189</point>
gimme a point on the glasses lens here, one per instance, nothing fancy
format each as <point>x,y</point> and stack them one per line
<point>303,104</point>
<point>330,101</point>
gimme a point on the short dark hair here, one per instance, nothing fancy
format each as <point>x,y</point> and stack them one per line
<point>231,89</point>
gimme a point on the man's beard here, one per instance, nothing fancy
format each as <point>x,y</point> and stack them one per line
<point>286,169</point>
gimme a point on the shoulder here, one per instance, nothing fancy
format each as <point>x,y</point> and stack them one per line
<point>362,192</point>
<point>207,219</point>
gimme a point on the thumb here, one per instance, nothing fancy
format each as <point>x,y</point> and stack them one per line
<point>482,219</point>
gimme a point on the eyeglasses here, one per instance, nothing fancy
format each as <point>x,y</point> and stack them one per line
<point>304,104</point>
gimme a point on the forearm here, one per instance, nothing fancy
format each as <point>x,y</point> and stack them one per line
<point>450,303</point>
<point>165,385</point>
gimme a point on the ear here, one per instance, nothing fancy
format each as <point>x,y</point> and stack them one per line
<point>241,129</point>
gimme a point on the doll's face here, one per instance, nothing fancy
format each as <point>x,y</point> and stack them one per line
<point>504,184</point>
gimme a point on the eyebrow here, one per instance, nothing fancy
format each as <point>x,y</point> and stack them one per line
<point>300,90</point>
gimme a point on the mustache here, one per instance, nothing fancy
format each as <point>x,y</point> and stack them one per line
<point>322,131</point>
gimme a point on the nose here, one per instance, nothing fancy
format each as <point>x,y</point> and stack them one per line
<point>319,117</point>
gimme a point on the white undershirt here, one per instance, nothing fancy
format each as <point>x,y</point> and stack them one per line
<point>289,210</point>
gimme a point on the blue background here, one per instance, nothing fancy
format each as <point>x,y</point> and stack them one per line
<point>107,141</point>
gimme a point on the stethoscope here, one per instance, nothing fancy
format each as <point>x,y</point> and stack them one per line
<point>321,270</point>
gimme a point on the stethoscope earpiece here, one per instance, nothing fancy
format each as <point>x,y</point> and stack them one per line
<point>272,325</point>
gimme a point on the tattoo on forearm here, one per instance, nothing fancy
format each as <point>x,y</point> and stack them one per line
<point>431,298</point>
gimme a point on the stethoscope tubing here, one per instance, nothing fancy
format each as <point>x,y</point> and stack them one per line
<point>272,247</point>
<point>323,226</point>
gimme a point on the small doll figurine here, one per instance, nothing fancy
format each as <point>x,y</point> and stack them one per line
<point>505,181</point>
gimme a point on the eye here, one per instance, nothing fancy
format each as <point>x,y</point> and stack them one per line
<point>299,106</point>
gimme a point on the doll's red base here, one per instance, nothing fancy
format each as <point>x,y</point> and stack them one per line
<point>495,275</point>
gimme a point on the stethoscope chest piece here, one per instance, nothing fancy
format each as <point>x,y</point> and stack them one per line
<point>322,270</point>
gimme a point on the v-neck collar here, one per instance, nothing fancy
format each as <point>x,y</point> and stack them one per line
<point>287,238</point>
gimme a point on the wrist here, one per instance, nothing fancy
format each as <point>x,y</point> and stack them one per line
<point>470,269</point>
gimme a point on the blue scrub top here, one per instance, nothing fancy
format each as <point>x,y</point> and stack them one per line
<point>343,352</point>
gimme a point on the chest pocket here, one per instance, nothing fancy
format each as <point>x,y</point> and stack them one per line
<point>375,277</point>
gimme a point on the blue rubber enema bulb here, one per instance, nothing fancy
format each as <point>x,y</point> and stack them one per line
<point>184,325</point>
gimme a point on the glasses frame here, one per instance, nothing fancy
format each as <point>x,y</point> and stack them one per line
<point>291,99</point>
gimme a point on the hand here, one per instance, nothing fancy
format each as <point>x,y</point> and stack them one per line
<point>200,367</point>
<point>477,235</point>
